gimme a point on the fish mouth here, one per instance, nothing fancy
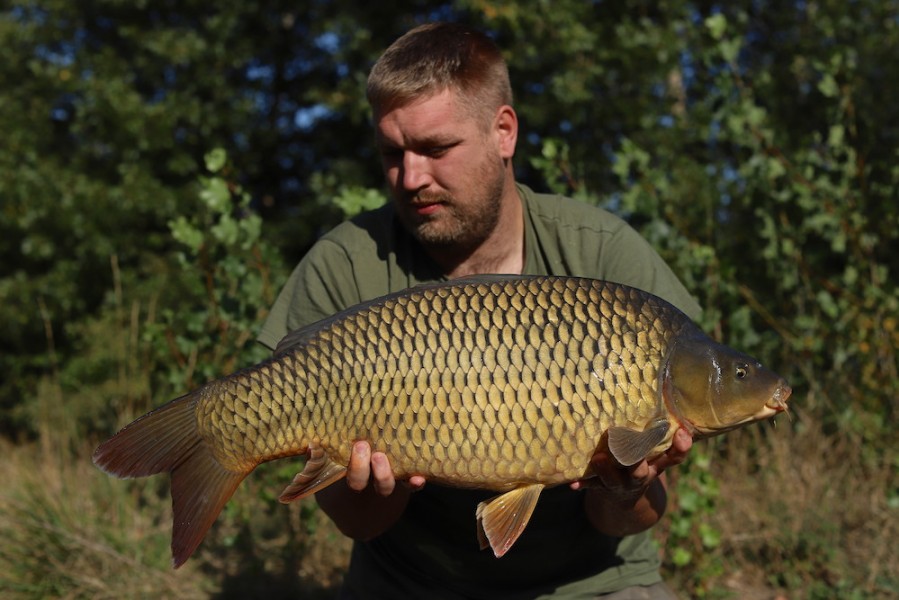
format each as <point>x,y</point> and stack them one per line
<point>779,400</point>
<point>777,403</point>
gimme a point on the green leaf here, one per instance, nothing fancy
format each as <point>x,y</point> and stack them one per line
<point>775,167</point>
<point>216,195</point>
<point>550,149</point>
<point>836,135</point>
<point>828,304</point>
<point>717,25</point>
<point>251,231</point>
<point>226,231</point>
<point>354,200</point>
<point>681,557</point>
<point>689,501</point>
<point>730,49</point>
<point>828,86</point>
<point>709,536</point>
<point>215,159</point>
<point>183,231</point>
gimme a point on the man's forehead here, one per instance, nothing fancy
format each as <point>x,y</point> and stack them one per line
<point>435,118</point>
<point>419,97</point>
<point>428,138</point>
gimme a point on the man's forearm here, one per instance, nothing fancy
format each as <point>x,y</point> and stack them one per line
<point>620,516</point>
<point>362,515</point>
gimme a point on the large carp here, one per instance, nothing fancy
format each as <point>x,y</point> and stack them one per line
<point>507,383</point>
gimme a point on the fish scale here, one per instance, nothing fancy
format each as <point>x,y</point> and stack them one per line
<point>507,383</point>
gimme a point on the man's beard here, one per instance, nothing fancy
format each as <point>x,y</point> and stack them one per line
<point>457,228</point>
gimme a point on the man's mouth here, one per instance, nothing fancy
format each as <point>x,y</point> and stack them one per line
<point>426,208</point>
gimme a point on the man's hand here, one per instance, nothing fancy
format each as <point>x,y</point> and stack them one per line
<point>626,481</point>
<point>374,467</point>
<point>626,500</point>
<point>370,501</point>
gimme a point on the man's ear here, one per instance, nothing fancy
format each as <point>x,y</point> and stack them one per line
<point>505,126</point>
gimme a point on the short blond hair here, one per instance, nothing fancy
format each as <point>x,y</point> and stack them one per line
<point>438,56</point>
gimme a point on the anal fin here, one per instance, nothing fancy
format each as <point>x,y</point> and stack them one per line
<point>320,472</point>
<point>502,519</point>
<point>630,446</point>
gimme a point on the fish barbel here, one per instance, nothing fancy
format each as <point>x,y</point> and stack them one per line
<point>506,383</point>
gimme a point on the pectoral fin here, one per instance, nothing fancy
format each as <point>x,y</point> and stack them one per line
<point>319,472</point>
<point>630,446</point>
<point>502,518</point>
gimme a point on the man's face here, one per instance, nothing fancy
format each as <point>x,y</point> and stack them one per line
<point>445,171</point>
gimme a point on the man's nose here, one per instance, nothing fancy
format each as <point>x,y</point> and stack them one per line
<point>415,171</point>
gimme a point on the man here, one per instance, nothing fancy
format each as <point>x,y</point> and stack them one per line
<point>446,133</point>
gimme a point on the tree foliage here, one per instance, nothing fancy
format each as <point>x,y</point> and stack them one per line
<point>107,111</point>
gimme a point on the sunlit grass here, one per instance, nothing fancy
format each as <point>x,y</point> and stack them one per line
<point>803,514</point>
<point>69,531</point>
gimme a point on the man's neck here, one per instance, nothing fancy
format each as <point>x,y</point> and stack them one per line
<point>503,251</point>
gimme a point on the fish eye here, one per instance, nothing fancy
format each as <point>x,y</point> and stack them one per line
<point>741,371</point>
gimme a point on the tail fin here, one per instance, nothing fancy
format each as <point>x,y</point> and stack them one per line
<point>166,440</point>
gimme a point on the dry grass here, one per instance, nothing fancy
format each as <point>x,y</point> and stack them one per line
<point>71,531</point>
<point>806,515</point>
<point>68,533</point>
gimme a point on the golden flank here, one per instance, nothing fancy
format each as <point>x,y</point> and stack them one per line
<point>506,383</point>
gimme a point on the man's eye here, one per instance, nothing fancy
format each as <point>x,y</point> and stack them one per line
<point>437,151</point>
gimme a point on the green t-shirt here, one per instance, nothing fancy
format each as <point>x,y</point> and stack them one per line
<point>433,550</point>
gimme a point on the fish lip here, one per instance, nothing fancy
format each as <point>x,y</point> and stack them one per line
<point>767,411</point>
<point>778,401</point>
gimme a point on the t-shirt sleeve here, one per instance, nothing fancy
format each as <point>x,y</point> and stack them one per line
<point>624,256</point>
<point>321,284</point>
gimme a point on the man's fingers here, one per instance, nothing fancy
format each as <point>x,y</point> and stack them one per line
<point>683,441</point>
<point>369,468</point>
<point>373,468</point>
<point>382,474</point>
<point>675,455</point>
<point>640,472</point>
<point>359,470</point>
